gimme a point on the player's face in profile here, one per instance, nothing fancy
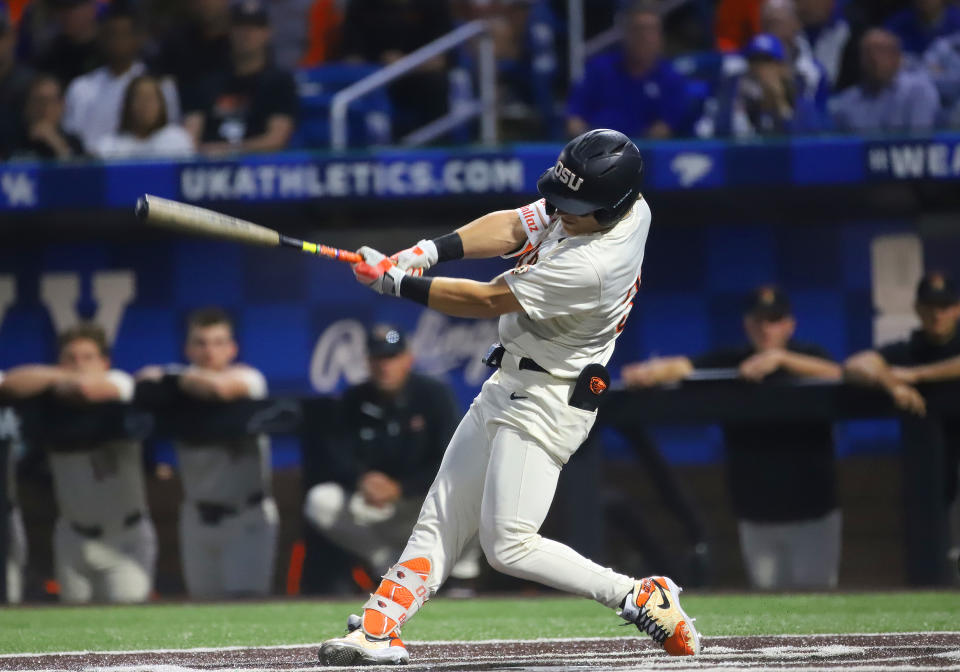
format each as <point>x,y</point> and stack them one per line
<point>389,374</point>
<point>767,334</point>
<point>211,347</point>
<point>939,322</point>
<point>83,356</point>
<point>578,224</point>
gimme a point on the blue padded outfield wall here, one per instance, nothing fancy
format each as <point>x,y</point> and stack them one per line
<point>301,321</point>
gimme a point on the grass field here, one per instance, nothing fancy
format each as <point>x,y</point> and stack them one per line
<point>171,626</point>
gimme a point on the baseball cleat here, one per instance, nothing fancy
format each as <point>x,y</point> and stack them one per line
<point>359,648</point>
<point>654,607</point>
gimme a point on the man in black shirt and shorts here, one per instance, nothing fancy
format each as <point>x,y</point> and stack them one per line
<point>781,474</point>
<point>932,353</point>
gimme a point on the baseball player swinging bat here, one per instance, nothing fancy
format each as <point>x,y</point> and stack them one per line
<point>185,218</point>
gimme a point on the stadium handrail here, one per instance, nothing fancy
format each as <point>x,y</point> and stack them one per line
<point>485,107</point>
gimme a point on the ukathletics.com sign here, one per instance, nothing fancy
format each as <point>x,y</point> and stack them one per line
<point>351,179</point>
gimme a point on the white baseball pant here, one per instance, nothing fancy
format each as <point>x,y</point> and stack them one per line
<point>16,555</point>
<point>802,554</point>
<point>232,558</point>
<point>116,567</point>
<point>498,478</point>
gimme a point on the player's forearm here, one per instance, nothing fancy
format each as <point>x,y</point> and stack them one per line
<point>869,368</point>
<point>466,298</point>
<point>492,235</point>
<point>29,380</point>
<point>948,369</point>
<point>93,388</point>
<point>807,366</point>
<point>213,386</point>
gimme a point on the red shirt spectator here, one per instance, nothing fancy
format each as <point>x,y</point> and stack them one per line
<point>737,21</point>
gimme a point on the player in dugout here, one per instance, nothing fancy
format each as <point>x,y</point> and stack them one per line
<point>229,519</point>
<point>578,254</point>
<point>781,475</point>
<point>931,354</point>
<point>395,428</point>
<point>104,544</point>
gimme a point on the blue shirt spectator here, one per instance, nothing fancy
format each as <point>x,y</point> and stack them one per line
<point>764,100</point>
<point>780,19</point>
<point>633,90</point>
<point>942,63</point>
<point>828,33</point>
<point>889,98</point>
<point>918,26</point>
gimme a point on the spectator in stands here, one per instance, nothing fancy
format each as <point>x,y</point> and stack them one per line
<point>74,51</point>
<point>251,106</point>
<point>736,22</point>
<point>383,32</point>
<point>781,475</point>
<point>932,353</point>
<point>42,135</point>
<point>105,546</point>
<point>924,22</point>
<point>197,48</point>
<point>290,20</point>
<point>525,46</point>
<point>323,32</point>
<point>94,100</point>
<point>829,35</point>
<point>228,519</point>
<point>144,131</point>
<point>395,430</point>
<point>889,97</point>
<point>766,100</point>
<point>779,18</point>
<point>942,63</point>
<point>633,89</point>
<point>14,83</point>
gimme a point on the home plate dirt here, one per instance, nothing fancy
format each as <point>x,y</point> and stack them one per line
<point>850,653</point>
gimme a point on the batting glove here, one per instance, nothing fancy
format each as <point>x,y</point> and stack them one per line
<point>378,272</point>
<point>415,260</point>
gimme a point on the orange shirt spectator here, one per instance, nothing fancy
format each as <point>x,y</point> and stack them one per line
<point>737,21</point>
<point>16,8</point>
<point>323,33</point>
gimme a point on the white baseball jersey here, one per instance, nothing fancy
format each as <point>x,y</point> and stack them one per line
<point>576,291</point>
<point>228,472</point>
<point>103,485</point>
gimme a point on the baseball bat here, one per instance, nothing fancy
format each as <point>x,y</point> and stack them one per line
<point>186,218</point>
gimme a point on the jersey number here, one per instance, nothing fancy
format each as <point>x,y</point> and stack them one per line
<point>632,292</point>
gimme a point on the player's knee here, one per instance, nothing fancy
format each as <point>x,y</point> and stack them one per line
<point>323,504</point>
<point>506,545</point>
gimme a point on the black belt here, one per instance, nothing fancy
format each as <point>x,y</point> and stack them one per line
<point>494,358</point>
<point>211,513</point>
<point>96,531</point>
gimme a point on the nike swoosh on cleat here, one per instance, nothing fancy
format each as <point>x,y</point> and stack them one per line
<point>666,603</point>
<point>514,396</point>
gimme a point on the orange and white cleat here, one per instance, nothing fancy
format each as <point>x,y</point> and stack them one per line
<point>359,648</point>
<point>654,607</point>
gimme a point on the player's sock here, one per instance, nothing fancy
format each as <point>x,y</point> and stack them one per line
<point>377,624</point>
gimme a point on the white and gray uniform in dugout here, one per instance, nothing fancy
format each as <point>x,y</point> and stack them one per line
<point>500,471</point>
<point>104,544</point>
<point>228,519</point>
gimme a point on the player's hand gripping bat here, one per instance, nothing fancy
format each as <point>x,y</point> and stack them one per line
<point>185,218</point>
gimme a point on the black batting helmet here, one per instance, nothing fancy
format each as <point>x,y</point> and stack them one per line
<point>598,172</point>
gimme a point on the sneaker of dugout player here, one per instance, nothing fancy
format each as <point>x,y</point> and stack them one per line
<point>359,648</point>
<point>654,607</point>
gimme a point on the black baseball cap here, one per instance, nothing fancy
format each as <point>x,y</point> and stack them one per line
<point>385,340</point>
<point>937,289</point>
<point>249,13</point>
<point>768,302</point>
